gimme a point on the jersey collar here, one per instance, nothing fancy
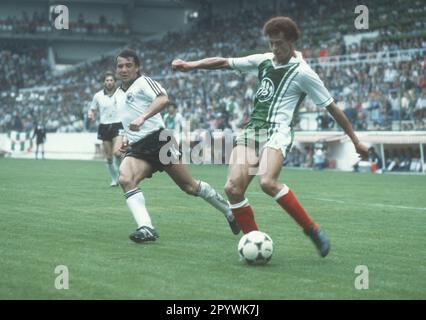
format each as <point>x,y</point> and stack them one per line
<point>121,85</point>
<point>294,59</point>
<point>109,95</point>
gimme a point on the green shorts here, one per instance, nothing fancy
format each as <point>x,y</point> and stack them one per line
<point>258,135</point>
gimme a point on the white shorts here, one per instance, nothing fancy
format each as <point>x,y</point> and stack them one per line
<point>259,139</point>
<point>280,141</point>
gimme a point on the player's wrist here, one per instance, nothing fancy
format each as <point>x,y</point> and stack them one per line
<point>193,65</point>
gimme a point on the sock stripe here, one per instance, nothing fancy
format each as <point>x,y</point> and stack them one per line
<point>282,192</point>
<point>132,192</point>
<point>241,204</point>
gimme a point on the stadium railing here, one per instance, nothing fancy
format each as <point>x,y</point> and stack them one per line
<point>370,57</point>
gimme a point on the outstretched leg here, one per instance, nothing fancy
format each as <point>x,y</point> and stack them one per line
<point>270,165</point>
<point>181,176</point>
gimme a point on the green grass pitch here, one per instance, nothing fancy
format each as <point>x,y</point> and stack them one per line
<point>64,213</point>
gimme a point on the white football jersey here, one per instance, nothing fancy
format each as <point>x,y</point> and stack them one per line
<point>134,102</point>
<point>106,106</point>
<point>282,88</point>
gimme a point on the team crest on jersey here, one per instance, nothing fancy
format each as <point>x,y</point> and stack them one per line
<point>266,90</point>
<point>130,97</point>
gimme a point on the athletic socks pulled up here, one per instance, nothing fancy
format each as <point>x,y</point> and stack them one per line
<point>288,201</point>
<point>211,196</point>
<point>136,203</point>
<point>113,172</point>
<point>244,215</point>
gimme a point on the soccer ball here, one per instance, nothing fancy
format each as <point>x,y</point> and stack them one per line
<point>255,247</point>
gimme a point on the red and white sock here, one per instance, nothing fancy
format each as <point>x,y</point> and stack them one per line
<point>288,201</point>
<point>244,216</point>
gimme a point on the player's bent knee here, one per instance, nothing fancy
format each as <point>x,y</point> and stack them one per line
<point>126,182</point>
<point>232,190</point>
<point>267,184</point>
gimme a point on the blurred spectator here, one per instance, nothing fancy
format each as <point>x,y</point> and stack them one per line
<point>394,105</point>
<point>320,160</point>
<point>325,121</point>
<point>375,161</point>
<point>420,108</point>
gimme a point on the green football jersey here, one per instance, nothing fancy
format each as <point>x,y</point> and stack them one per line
<point>281,89</point>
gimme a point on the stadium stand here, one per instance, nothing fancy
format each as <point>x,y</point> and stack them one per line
<point>379,80</point>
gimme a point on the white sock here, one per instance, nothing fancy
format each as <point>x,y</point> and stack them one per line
<point>117,162</point>
<point>136,203</point>
<point>112,171</point>
<point>210,195</point>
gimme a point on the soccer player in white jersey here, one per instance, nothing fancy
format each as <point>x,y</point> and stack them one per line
<point>140,100</point>
<point>284,80</point>
<point>110,125</point>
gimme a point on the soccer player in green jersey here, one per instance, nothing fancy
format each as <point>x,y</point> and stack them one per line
<point>284,81</point>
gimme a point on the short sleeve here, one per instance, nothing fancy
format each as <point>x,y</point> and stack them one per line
<point>152,88</point>
<point>310,83</point>
<point>94,104</point>
<point>247,64</point>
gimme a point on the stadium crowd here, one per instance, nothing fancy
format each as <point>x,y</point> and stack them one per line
<point>374,96</point>
<point>39,22</point>
<point>22,66</point>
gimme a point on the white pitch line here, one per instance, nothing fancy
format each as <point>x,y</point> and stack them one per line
<point>372,204</point>
<point>325,200</point>
<point>329,200</point>
<point>393,206</point>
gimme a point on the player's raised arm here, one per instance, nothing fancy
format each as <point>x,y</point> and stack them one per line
<point>343,121</point>
<point>207,63</point>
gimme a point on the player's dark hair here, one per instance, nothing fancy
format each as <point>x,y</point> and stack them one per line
<point>109,74</point>
<point>173,104</point>
<point>285,25</point>
<point>129,53</point>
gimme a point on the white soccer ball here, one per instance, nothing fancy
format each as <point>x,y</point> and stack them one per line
<point>255,247</point>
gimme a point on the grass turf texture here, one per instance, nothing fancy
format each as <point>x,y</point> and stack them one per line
<point>64,213</point>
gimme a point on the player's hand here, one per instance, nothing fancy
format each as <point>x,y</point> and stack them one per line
<point>91,116</point>
<point>124,145</point>
<point>135,124</point>
<point>181,65</point>
<point>362,150</point>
